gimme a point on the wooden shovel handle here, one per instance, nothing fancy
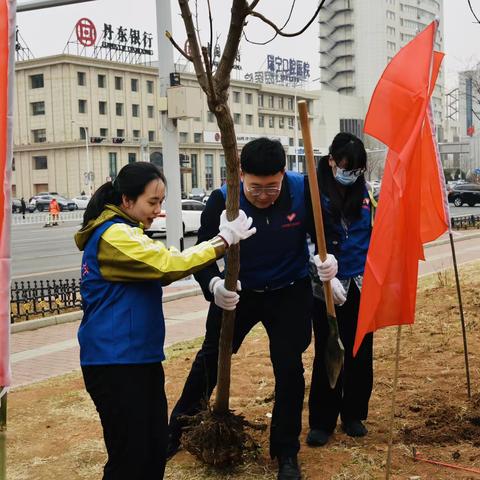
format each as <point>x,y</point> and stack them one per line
<point>315,197</point>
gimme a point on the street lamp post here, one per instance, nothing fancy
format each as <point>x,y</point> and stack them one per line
<point>88,175</point>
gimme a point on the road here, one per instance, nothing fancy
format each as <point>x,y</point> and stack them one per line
<point>50,253</point>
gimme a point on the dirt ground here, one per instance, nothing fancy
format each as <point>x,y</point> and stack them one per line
<point>54,432</point>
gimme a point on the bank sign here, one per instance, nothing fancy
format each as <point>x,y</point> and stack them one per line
<point>122,39</point>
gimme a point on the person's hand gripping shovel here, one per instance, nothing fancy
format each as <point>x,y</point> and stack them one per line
<point>335,352</point>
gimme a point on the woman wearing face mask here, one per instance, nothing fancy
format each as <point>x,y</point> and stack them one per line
<point>347,205</point>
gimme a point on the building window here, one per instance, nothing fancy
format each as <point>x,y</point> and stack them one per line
<point>39,135</point>
<point>248,98</point>
<point>223,170</point>
<point>261,121</point>
<point>291,141</point>
<point>112,165</point>
<point>390,31</point>
<point>271,121</point>
<point>83,134</point>
<point>210,117</point>
<point>136,134</point>
<point>150,111</point>
<point>208,171</point>
<point>183,137</point>
<point>291,122</point>
<point>391,46</point>
<point>134,84</point>
<point>236,97</point>
<point>390,15</point>
<point>290,103</point>
<point>260,100</point>
<point>237,118</point>
<point>194,165</point>
<point>102,108</point>
<point>81,78</point>
<point>197,137</point>
<point>135,109</point>
<point>118,83</point>
<point>132,157</point>
<point>102,81</point>
<point>104,132</point>
<point>149,86</point>
<point>352,125</point>
<point>249,119</point>
<point>281,122</point>
<point>38,108</point>
<point>271,101</point>
<point>40,163</point>
<point>151,135</point>
<point>36,81</point>
<point>120,132</point>
<point>119,109</point>
<point>280,103</point>
<point>82,106</point>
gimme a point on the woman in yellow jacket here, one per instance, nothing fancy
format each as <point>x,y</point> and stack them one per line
<point>122,332</point>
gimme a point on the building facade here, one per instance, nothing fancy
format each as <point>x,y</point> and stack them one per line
<point>77,114</point>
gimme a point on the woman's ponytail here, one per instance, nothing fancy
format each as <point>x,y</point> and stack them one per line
<point>105,194</point>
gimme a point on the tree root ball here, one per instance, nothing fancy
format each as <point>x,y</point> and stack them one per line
<point>219,440</point>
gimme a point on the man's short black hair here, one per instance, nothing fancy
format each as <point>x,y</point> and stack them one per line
<point>263,156</point>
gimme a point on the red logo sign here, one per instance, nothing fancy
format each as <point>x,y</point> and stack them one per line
<point>86,32</point>
<point>217,137</point>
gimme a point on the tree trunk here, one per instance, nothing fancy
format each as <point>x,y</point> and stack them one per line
<point>229,143</point>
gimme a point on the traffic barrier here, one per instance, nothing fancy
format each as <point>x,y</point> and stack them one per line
<point>43,218</point>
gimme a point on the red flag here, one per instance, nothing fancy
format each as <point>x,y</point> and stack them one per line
<point>412,208</point>
<point>7,43</point>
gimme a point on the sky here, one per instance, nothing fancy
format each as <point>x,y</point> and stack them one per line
<point>47,31</point>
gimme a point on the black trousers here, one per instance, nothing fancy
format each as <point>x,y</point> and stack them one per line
<point>352,393</point>
<point>286,316</point>
<point>132,405</point>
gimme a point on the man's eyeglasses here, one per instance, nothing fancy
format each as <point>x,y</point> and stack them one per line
<point>351,173</point>
<point>269,191</point>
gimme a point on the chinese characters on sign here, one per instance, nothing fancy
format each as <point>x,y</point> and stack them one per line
<point>217,53</point>
<point>127,40</point>
<point>281,71</point>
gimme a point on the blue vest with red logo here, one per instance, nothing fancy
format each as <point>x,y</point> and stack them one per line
<point>349,242</point>
<point>277,254</point>
<point>122,322</point>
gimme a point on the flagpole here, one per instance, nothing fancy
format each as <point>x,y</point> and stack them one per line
<point>3,435</point>
<point>392,410</point>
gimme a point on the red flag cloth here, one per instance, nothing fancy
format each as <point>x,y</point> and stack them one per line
<point>411,209</point>
<point>7,48</point>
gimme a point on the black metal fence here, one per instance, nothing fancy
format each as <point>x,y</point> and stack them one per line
<point>37,299</point>
<point>465,222</point>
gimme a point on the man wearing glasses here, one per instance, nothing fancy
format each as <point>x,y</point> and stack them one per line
<point>274,289</point>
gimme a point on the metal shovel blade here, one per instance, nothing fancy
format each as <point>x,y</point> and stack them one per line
<point>334,353</point>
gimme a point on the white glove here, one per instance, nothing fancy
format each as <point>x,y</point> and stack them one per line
<point>236,230</point>
<point>339,293</point>
<point>328,269</point>
<point>224,298</point>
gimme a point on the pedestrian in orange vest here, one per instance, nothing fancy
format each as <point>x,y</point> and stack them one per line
<point>54,210</point>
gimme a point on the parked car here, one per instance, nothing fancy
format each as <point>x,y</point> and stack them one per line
<point>464,193</point>
<point>81,201</point>
<point>32,201</point>
<point>191,213</point>
<point>197,194</point>
<point>16,205</point>
<point>43,202</point>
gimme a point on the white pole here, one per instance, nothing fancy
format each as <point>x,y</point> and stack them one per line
<point>171,163</point>
<point>89,180</point>
<point>295,126</point>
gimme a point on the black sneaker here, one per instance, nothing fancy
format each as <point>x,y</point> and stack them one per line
<point>317,437</point>
<point>354,428</point>
<point>288,469</point>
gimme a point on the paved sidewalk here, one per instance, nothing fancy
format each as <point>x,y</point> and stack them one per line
<point>40,354</point>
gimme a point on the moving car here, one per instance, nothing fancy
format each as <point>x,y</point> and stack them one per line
<point>43,202</point>
<point>81,201</point>
<point>464,193</point>
<point>191,213</point>
<point>197,194</point>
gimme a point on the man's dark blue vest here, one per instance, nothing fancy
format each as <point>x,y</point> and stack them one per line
<point>277,254</point>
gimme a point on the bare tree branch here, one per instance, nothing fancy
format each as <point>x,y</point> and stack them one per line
<point>211,33</point>
<point>177,46</point>
<point>253,4</point>
<point>276,34</point>
<point>473,13</point>
<point>278,30</point>
<point>194,44</point>
<point>208,62</point>
<point>237,20</point>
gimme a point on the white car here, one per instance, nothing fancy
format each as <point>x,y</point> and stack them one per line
<point>81,202</point>
<point>191,213</point>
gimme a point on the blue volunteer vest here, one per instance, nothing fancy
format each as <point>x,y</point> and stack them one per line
<point>122,322</point>
<point>277,254</point>
<point>348,242</point>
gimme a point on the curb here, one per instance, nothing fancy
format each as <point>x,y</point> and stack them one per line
<point>37,323</point>
<point>456,239</point>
